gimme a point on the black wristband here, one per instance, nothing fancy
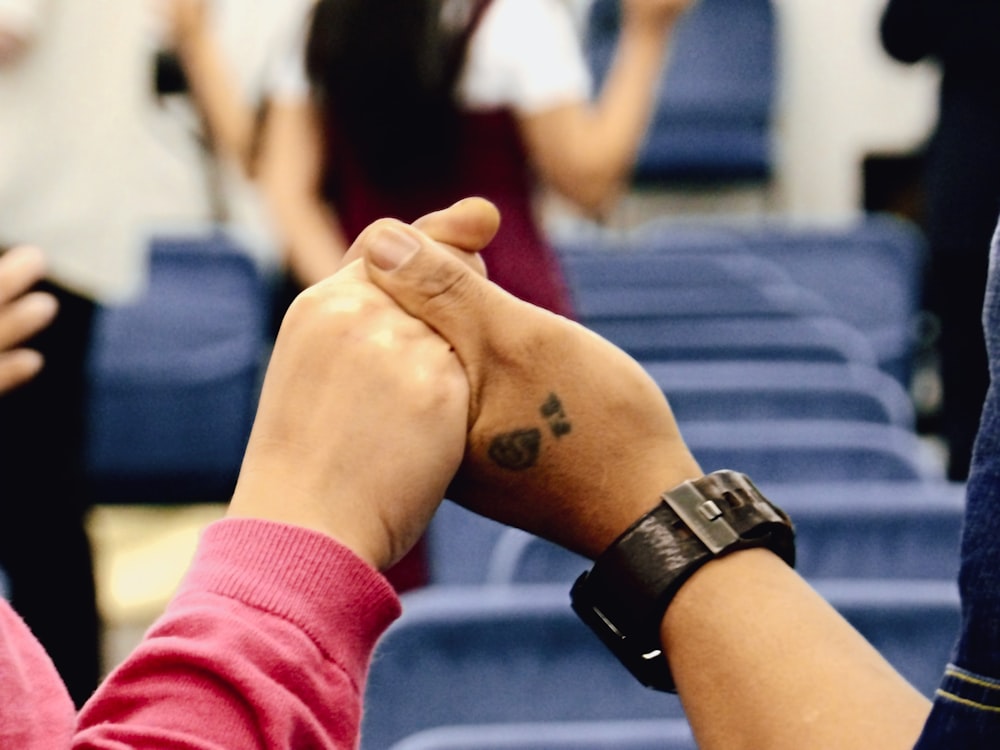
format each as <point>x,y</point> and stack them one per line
<point>624,596</point>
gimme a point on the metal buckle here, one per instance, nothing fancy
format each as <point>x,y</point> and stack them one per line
<point>702,516</point>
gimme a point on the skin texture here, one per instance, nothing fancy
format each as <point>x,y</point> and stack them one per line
<point>568,436</point>
<point>355,382</point>
<point>23,313</point>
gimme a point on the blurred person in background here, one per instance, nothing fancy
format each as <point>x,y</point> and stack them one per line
<point>71,79</point>
<point>492,96</point>
<point>211,67</point>
<point>962,185</point>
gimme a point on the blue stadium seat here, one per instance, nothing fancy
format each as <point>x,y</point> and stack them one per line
<point>620,267</point>
<point>800,450</point>
<point>732,390</point>
<point>475,655</point>
<point>651,734</point>
<point>810,339</point>
<point>459,545</point>
<point>471,655</point>
<point>707,300</point>
<point>175,375</point>
<point>869,272</point>
<point>713,119</point>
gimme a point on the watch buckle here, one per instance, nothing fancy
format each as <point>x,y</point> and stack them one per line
<point>702,516</point>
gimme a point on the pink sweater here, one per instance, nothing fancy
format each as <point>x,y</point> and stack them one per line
<point>266,645</point>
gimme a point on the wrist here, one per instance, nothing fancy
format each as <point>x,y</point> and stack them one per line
<point>633,583</point>
<point>286,501</point>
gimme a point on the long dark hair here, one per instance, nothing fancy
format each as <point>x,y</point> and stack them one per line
<point>385,71</point>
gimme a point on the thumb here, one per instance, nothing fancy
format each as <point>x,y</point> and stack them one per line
<point>431,284</point>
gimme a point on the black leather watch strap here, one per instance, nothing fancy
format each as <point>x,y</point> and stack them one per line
<point>623,597</point>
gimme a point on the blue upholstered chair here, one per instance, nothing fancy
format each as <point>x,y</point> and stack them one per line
<point>175,375</point>
<point>713,120</point>
<point>652,734</point>
<point>487,655</point>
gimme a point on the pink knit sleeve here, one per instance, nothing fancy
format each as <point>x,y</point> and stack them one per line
<point>266,645</point>
<point>36,712</point>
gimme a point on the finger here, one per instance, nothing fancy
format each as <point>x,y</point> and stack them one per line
<point>464,228</point>
<point>22,319</point>
<point>429,283</point>
<point>20,268</point>
<point>469,225</point>
<point>18,367</point>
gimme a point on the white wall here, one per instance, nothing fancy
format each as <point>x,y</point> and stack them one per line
<point>841,98</point>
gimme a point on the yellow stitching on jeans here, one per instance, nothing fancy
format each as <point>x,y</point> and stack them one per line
<point>967,702</point>
<point>950,672</point>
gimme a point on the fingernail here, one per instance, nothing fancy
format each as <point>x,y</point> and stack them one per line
<point>390,247</point>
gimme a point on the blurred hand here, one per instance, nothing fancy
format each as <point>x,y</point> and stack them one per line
<point>362,418</point>
<point>22,314</point>
<point>569,438</point>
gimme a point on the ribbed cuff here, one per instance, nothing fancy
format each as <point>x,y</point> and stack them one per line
<point>303,576</point>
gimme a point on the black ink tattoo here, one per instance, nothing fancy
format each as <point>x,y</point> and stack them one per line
<point>516,450</point>
<point>552,410</point>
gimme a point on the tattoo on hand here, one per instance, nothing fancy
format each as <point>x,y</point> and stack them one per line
<point>519,450</point>
<point>553,411</point>
<point>516,450</point>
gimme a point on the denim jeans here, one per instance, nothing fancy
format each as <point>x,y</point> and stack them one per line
<point>966,712</point>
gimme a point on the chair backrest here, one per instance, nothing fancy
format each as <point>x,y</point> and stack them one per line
<point>706,300</point>
<point>730,390</point>
<point>474,655</point>
<point>873,530</point>
<point>869,272</point>
<point>800,450</point>
<point>174,375</point>
<point>471,655</point>
<point>459,544</point>
<point>703,263</point>
<point>715,108</point>
<point>810,339</point>
<point>652,734</point>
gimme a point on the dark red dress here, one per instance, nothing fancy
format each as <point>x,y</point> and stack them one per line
<point>491,164</point>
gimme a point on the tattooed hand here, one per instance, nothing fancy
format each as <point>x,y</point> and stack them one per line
<point>362,415</point>
<point>569,438</point>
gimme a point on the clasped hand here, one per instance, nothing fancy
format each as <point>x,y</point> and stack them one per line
<point>408,376</point>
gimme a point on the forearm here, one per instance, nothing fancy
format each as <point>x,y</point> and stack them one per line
<point>268,640</point>
<point>628,98</point>
<point>313,241</point>
<point>599,142</point>
<point>230,119</point>
<point>761,660</point>
<point>291,173</point>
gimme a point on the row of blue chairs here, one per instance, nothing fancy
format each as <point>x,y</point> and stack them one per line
<point>488,655</point>
<point>612,734</point>
<point>753,290</point>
